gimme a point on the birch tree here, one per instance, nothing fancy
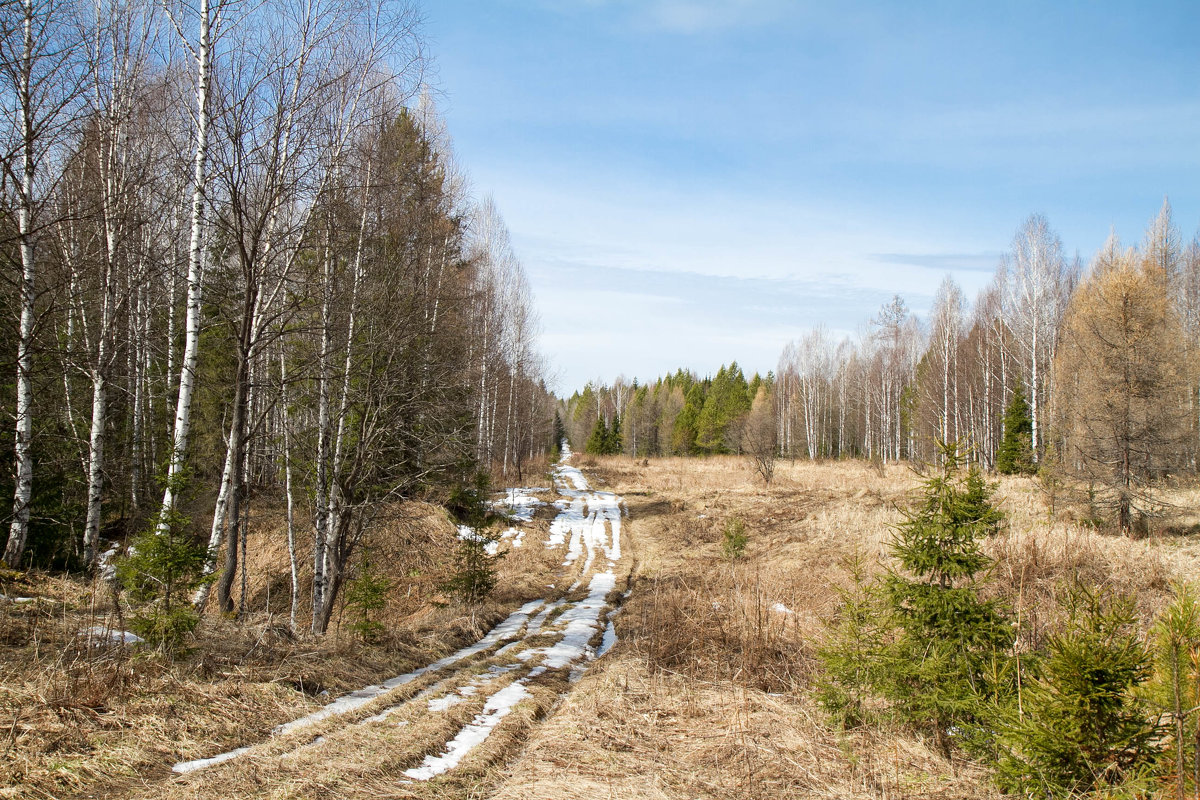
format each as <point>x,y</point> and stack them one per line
<point>120,42</point>
<point>199,31</point>
<point>1036,293</point>
<point>40,85</point>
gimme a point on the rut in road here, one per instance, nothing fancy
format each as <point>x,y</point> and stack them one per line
<point>543,646</point>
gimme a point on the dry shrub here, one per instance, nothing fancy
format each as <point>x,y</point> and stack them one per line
<point>715,626</point>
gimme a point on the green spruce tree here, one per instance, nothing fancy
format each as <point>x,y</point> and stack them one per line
<point>597,443</point>
<point>559,436</point>
<point>474,577</point>
<point>1015,454</point>
<point>941,671</point>
<point>614,443</point>
<point>1175,687</point>
<point>163,567</point>
<point>1082,728</point>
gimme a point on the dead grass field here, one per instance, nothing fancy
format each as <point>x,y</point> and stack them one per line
<point>706,695</point>
<point>108,721</point>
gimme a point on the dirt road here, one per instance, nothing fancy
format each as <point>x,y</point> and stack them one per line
<point>436,730</point>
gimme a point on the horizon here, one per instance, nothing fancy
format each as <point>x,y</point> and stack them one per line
<point>716,177</point>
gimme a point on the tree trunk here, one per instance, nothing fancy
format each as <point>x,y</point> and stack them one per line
<point>187,372</point>
<point>23,490</point>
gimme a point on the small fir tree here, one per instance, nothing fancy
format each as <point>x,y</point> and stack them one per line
<point>560,436</point>
<point>365,595</point>
<point>1015,453</point>
<point>474,577</point>
<point>613,442</point>
<point>597,443</point>
<point>941,669</point>
<point>1175,687</point>
<point>163,567</point>
<point>852,647</point>
<point>1082,728</point>
<point>734,539</point>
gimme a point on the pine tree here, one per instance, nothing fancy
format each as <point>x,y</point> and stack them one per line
<point>1082,727</point>
<point>614,444</point>
<point>1015,454</point>
<point>943,662</point>
<point>597,443</point>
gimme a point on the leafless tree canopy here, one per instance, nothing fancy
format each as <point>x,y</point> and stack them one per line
<point>239,254</point>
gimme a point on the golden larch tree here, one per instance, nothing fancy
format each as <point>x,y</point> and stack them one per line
<point>1122,383</point>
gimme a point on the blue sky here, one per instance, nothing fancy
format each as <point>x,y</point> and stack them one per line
<point>690,182</point>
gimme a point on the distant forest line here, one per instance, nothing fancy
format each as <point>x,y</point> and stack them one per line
<point>1092,368</point>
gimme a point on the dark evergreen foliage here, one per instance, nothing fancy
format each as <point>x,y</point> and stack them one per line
<point>1082,727</point>
<point>1015,454</point>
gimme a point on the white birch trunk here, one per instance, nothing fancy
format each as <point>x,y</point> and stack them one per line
<point>23,489</point>
<point>187,373</point>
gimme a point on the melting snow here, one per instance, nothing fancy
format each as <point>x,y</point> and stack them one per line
<point>442,703</point>
<point>582,620</point>
<point>345,704</point>
<point>496,709</point>
<point>184,767</point>
<point>610,638</point>
<point>101,632</point>
<point>520,504</point>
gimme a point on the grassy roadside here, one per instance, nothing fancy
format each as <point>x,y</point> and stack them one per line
<point>102,721</point>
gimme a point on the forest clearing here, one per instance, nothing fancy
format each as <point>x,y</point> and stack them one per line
<point>708,689</point>
<point>753,451</point>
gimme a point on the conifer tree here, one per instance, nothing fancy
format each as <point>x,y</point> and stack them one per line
<point>1082,728</point>
<point>1015,453</point>
<point>1123,383</point>
<point>683,434</point>
<point>560,435</point>
<point>950,640</point>
<point>597,443</point>
<point>613,442</point>
<point>727,400</point>
<point>1175,688</point>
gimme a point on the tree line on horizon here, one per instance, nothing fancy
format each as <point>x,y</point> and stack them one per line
<point>1093,369</point>
<point>240,258</point>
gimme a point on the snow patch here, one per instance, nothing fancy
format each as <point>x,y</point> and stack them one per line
<point>580,623</point>
<point>442,703</point>
<point>185,767</point>
<point>610,638</point>
<point>496,709</point>
<point>101,632</point>
<point>510,628</point>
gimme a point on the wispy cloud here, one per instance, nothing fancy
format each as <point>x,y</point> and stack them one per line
<point>943,262</point>
<point>687,17</point>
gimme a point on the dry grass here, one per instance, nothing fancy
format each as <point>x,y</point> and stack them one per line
<point>78,717</point>
<point>629,731</point>
<point>707,695</point>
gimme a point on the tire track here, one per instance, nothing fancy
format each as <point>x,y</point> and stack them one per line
<point>547,642</point>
